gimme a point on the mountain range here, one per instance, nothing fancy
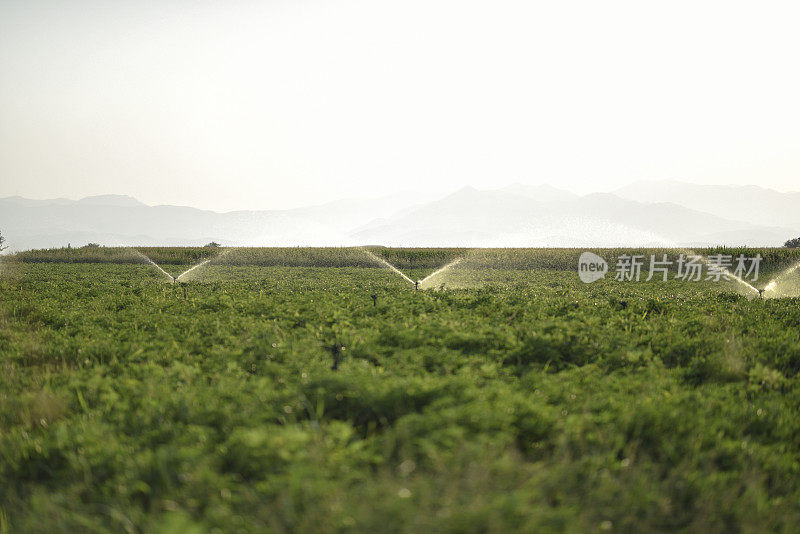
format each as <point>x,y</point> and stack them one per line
<point>661,213</point>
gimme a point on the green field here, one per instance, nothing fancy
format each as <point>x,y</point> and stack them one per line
<point>516,398</point>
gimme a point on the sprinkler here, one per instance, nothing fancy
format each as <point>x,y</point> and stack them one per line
<point>374,299</point>
<point>416,285</point>
<point>335,350</point>
<point>761,293</point>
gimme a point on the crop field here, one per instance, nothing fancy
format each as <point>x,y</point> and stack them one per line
<point>283,390</point>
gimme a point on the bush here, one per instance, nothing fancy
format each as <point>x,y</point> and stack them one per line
<point>793,243</point>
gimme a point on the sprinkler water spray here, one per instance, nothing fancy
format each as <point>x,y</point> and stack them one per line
<point>157,266</point>
<point>777,286</point>
<point>386,264</point>
<point>440,271</point>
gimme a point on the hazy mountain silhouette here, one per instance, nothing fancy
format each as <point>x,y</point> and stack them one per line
<point>750,203</point>
<point>505,218</point>
<point>672,214</point>
<point>121,220</point>
<point>20,201</point>
<point>540,193</point>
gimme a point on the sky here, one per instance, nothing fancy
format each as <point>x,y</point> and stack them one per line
<point>279,104</point>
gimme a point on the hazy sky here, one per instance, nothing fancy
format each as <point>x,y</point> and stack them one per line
<point>272,104</point>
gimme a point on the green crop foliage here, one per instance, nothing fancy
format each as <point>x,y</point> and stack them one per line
<point>563,259</point>
<point>515,398</point>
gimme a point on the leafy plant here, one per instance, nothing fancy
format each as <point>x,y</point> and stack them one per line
<point>527,401</point>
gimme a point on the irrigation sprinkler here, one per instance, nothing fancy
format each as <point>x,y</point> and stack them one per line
<point>761,293</point>
<point>336,349</point>
<point>416,285</point>
<point>374,299</point>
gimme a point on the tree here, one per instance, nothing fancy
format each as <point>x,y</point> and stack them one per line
<point>2,240</point>
<point>213,244</point>
<point>793,243</point>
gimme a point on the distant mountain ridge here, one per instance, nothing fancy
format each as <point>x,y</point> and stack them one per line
<point>641,214</point>
<point>470,217</point>
<point>755,204</point>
